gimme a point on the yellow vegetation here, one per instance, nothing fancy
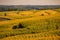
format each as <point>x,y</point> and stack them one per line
<point>30,15</point>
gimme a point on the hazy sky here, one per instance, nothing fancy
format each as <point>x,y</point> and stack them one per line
<point>29,2</point>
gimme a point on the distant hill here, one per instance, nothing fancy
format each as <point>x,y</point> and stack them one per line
<point>26,7</point>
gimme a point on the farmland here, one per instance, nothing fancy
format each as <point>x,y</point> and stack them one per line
<point>30,25</point>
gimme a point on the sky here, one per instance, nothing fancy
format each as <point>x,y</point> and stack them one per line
<point>29,2</point>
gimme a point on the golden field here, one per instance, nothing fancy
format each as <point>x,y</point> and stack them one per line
<point>30,25</point>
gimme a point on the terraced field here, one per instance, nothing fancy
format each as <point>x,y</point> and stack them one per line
<point>30,25</point>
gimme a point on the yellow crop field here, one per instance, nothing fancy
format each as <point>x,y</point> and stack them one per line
<point>30,25</point>
<point>36,36</point>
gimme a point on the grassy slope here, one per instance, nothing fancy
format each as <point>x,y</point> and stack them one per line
<point>33,22</point>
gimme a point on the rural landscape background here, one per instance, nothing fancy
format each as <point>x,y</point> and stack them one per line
<point>30,22</point>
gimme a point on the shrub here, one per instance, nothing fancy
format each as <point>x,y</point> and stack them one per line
<point>18,26</point>
<point>42,14</point>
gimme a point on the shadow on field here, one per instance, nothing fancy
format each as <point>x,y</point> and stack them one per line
<point>2,19</point>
